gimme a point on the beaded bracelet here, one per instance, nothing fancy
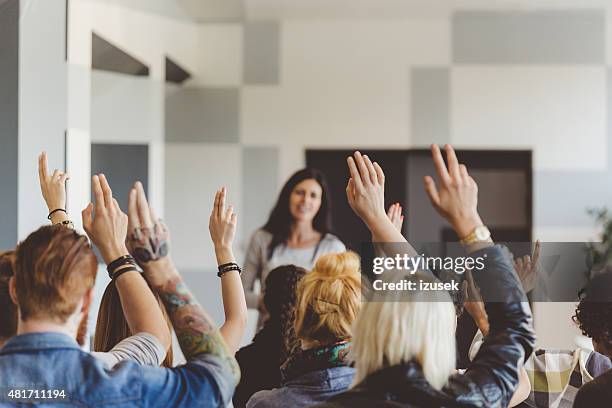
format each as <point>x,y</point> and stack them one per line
<point>66,223</point>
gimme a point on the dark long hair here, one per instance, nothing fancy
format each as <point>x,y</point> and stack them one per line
<point>280,300</point>
<point>112,327</point>
<point>280,220</point>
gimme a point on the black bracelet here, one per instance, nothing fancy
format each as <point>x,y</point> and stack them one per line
<point>225,268</point>
<point>122,260</point>
<point>54,211</point>
<point>124,270</point>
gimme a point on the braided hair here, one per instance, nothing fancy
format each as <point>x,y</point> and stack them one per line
<point>279,300</point>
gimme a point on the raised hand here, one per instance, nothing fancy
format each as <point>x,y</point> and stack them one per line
<point>395,216</point>
<point>222,222</point>
<point>456,196</point>
<point>474,304</point>
<point>148,239</point>
<point>104,222</point>
<point>526,268</point>
<point>366,189</point>
<point>53,187</point>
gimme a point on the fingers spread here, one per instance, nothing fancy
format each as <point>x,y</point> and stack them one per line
<point>42,166</point>
<point>133,218</point>
<point>106,190</point>
<point>439,164</point>
<point>86,217</point>
<point>453,163</point>
<point>463,172</point>
<point>364,173</point>
<point>355,177</point>
<point>431,190</point>
<point>536,252</point>
<point>97,191</point>
<point>228,213</point>
<point>143,207</point>
<point>221,207</point>
<point>379,173</point>
<point>372,176</point>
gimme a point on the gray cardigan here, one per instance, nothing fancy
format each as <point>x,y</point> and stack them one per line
<point>257,265</point>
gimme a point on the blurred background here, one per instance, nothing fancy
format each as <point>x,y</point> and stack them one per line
<point>189,95</point>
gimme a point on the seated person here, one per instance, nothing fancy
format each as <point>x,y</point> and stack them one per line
<point>260,361</point>
<point>404,344</point>
<point>148,338</point>
<point>55,270</point>
<point>329,298</point>
<point>557,375</point>
<point>112,326</point>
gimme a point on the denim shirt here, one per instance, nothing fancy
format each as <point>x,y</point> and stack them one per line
<point>36,366</point>
<point>309,389</point>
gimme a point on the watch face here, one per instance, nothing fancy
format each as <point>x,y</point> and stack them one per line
<point>482,233</point>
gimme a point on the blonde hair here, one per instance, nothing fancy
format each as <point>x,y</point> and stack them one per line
<point>329,298</point>
<point>404,326</point>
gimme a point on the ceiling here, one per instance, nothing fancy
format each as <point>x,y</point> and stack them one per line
<point>203,11</point>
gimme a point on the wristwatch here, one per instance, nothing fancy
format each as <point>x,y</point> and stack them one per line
<point>479,234</point>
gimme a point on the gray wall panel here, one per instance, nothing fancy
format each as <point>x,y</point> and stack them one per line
<point>562,197</point>
<point>261,47</point>
<point>430,103</point>
<point>259,184</point>
<point>195,115</point>
<point>122,165</point>
<point>534,37</point>
<point>9,132</point>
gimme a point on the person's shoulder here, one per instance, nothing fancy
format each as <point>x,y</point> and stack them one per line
<point>332,241</point>
<point>262,236</point>
<point>265,398</point>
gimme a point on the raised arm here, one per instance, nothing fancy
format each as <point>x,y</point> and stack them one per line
<point>194,329</point>
<point>53,188</point>
<point>107,227</point>
<point>511,338</point>
<point>365,192</point>
<point>222,227</point>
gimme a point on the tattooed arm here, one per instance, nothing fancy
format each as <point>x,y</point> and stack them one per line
<point>194,329</point>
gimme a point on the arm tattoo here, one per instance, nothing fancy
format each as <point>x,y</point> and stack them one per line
<point>194,329</point>
<point>149,244</point>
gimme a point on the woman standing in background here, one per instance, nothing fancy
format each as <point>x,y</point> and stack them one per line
<point>297,232</point>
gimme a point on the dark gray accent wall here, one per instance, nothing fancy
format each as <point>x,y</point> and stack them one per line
<point>9,105</point>
<point>122,165</point>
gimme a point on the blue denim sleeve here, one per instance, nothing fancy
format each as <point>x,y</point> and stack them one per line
<point>204,381</point>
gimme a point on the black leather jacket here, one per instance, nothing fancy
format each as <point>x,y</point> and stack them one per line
<point>490,380</point>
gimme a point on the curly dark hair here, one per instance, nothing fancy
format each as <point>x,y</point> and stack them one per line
<point>280,299</point>
<point>594,312</point>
